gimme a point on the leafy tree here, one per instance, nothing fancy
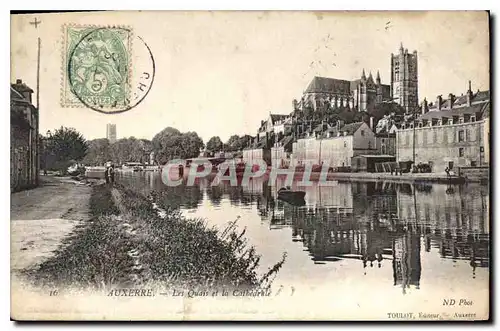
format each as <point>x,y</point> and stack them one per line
<point>386,108</point>
<point>192,144</point>
<point>99,152</point>
<point>64,147</point>
<point>236,143</point>
<point>233,143</point>
<point>170,144</point>
<point>214,144</point>
<point>124,150</point>
<point>245,141</point>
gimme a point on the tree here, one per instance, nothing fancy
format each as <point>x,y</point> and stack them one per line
<point>64,147</point>
<point>192,144</point>
<point>233,143</point>
<point>245,141</point>
<point>99,152</point>
<point>214,144</point>
<point>124,150</point>
<point>386,108</point>
<point>236,143</point>
<point>170,144</point>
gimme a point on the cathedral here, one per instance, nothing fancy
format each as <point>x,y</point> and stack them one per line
<point>365,93</point>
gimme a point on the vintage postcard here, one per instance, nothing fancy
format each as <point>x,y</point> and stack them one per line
<point>250,166</point>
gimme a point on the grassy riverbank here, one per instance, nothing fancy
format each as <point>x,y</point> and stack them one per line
<point>94,255</point>
<point>127,243</point>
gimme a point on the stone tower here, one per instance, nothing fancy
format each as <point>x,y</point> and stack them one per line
<point>404,79</point>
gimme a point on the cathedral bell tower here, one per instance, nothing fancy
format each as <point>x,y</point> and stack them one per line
<point>404,79</point>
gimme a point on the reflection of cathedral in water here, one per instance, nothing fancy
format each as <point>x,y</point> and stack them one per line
<point>406,260</point>
<point>378,222</point>
<point>375,224</point>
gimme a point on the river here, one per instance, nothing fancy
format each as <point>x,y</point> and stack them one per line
<point>377,240</point>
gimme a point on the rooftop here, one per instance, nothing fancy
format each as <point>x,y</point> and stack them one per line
<point>461,100</point>
<point>475,109</point>
<point>21,87</point>
<point>278,117</point>
<point>328,85</point>
<point>349,129</point>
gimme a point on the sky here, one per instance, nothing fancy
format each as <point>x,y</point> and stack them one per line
<point>221,73</point>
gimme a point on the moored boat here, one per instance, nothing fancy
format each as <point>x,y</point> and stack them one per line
<point>292,197</point>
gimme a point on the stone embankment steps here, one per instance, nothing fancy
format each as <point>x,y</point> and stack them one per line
<point>137,269</point>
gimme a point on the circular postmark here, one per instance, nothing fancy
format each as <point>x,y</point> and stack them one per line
<point>103,72</point>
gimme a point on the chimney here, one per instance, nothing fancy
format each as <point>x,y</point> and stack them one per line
<point>371,123</point>
<point>439,102</point>
<point>425,106</point>
<point>469,95</point>
<point>19,81</point>
<point>451,100</point>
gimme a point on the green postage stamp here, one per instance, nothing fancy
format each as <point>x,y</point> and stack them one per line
<point>96,67</point>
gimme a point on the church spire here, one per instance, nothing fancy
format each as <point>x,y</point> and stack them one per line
<point>378,77</point>
<point>401,47</point>
<point>363,75</point>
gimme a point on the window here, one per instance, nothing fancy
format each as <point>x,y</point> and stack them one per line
<point>345,143</point>
<point>461,152</point>
<point>473,163</point>
<point>473,118</point>
<point>362,132</point>
<point>461,135</point>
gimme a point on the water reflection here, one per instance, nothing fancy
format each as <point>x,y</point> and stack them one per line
<point>372,224</point>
